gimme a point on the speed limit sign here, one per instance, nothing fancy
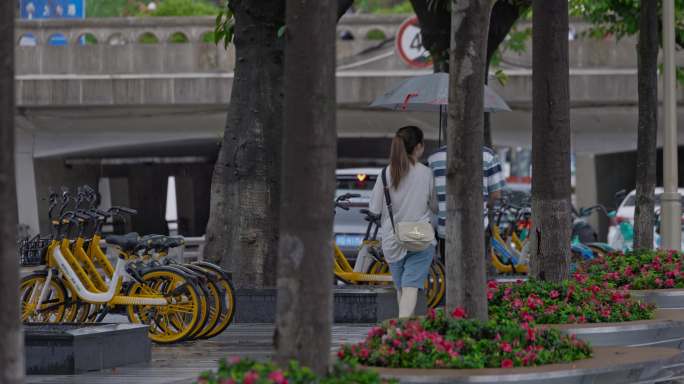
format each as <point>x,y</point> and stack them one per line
<point>409,44</point>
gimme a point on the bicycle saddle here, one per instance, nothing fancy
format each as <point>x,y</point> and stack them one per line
<point>127,242</point>
<point>161,242</point>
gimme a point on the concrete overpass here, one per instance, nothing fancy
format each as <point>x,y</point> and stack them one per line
<point>87,111</point>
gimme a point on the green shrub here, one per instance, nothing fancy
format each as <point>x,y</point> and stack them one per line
<point>108,8</point>
<point>375,34</point>
<point>185,8</point>
<point>178,38</point>
<point>208,37</point>
<point>247,371</point>
<point>148,38</point>
<point>404,7</point>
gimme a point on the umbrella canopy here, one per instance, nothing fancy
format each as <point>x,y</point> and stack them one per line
<point>430,93</point>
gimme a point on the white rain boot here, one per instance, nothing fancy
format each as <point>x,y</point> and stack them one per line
<point>407,303</point>
<point>398,297</point>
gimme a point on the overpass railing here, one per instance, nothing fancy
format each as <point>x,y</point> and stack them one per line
<point>156,44</point>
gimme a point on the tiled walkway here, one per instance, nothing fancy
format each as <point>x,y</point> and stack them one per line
<point>181,363</point>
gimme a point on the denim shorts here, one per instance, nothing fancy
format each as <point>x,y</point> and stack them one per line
<point>412,270</point>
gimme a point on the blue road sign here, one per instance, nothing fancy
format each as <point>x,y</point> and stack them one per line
<point>52,9</point>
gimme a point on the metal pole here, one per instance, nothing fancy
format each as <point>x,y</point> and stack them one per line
<point>671,228</point>
<point>439,139</point>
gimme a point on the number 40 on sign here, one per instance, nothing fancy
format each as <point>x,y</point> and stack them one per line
<point>410,46</point>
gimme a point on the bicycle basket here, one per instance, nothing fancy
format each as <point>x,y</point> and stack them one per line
<point>32,251</point>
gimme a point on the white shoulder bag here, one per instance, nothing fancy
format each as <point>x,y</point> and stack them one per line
<point>415,236</point>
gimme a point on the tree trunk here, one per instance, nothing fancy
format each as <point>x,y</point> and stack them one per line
<point>644,216</point>
<point>243,226</point>
<point>12,340</point>
<point>465,258</point>
<point>550,141</point>
<point>304,309</point>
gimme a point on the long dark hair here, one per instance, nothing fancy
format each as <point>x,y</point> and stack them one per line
<point>403,144</point>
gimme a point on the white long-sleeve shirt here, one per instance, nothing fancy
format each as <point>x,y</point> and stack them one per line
<point>414,200</point>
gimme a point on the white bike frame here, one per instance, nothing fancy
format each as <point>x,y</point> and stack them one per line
<point>98,297</point>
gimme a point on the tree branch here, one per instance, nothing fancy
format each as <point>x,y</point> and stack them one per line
<point>435,24</point>
<point>504,15</point>
<point>343,6</point>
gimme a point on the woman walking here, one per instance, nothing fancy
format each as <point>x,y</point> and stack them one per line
<point>404,195</point>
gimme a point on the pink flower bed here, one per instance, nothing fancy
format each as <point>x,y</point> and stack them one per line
<point>450,341</point>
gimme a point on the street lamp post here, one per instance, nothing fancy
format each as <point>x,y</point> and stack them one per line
<point>670,201</point>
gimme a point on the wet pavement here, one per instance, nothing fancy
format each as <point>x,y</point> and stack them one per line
<point>182,363</point>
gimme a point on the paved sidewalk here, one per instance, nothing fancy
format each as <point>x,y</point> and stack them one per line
<point>181,363</point>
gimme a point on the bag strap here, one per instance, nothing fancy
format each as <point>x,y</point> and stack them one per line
<point>388,200</point>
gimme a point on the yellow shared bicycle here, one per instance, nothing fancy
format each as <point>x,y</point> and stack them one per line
<point>80,285</point>
<point>371,268</point>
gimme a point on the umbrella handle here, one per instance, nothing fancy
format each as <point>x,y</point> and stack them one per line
<point>404,106</point>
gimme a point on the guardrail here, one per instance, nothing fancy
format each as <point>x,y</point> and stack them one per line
<point>125,30</point>
<point>157,45</point>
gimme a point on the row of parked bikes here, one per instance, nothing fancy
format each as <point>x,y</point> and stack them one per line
<point>78,282</point>
<point>509,234</point>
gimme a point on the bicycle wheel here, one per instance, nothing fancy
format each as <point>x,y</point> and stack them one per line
<point>200,282</point>
<point>214,299</point>
<point>72,305</point>
<point>228,305</point>
<point>83,311</point>
<point>53,305</point>
<point>174,321</point>
<point>436,284</point>
<point>379,268</point>
<point>94,312</point>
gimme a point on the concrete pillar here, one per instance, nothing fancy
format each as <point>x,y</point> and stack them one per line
<point>186,205</point>
<point>193,200</point>
<point>105,191</point>
<point>147,193</point>
<point>27,201</point>
<point>670,201</point>
<point>585,184</point>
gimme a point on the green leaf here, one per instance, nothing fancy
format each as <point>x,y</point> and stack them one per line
<point>281,30</point>
<point>230,33</point>
<point>501,77</point>
<point>224,26</point>
<point>218,36</point>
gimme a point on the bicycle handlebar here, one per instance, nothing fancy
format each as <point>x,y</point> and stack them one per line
<point>117,210</point>
<point>102,213</point>
<point>584,212</point>
<point>342,201</point>
<point>82,215</point>
<point>347,196</point>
